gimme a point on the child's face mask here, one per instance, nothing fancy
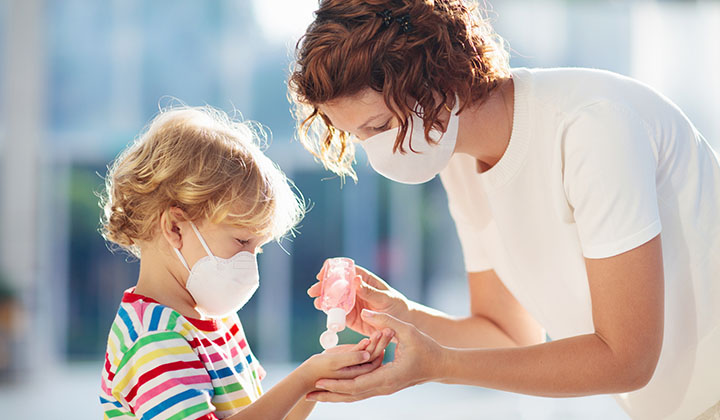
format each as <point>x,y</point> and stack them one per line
<point>221,286</point>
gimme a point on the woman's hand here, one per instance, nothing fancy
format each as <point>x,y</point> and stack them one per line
<point>346,361</point>
<point>417,360</point>
<point>373,294</point>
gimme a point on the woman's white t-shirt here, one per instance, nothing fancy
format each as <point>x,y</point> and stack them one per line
<point>597,165</point>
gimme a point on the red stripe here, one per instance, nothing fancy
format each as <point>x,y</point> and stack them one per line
<point>159,370</point>
<point>107,368</point>
<point>221,341</point>
<point>210,416</point>
<point>203,343</point>
<point>234,329</point>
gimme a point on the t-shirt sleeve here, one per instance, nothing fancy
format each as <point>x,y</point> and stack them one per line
<point>161,377</point>
<point>609,176</point>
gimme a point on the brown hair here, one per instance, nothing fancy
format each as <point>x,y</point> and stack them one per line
<point>201,161</point>
<point>449,49</point>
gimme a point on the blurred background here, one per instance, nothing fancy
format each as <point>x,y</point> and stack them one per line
<point>79,79</point>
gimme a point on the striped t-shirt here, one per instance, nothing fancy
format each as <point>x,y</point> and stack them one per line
<point>161,365</point>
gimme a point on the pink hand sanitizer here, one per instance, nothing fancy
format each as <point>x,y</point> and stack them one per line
<point>337,297</point>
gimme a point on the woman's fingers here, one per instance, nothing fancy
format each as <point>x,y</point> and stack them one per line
<point>371,279</point>
<point>371,294</point>
<point>314,290</point>
<point>321,273</point>
<point>361,387</point>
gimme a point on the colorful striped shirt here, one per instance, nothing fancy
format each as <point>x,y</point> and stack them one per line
<point>161,365</point>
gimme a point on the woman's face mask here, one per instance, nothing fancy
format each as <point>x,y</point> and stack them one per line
<point>422,160</point>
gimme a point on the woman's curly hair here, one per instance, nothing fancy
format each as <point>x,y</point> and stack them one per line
<point>429,51</point>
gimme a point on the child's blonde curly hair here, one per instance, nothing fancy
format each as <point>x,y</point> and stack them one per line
<point>205,163</point>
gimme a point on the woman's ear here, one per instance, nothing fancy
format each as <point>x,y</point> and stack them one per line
<point>172,224</point>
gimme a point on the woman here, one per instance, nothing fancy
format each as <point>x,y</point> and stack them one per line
<point>586,205</point>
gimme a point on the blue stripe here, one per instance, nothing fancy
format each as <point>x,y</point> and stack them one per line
<point>224,372</point>
<point>249,358</point>
<point>128,323</point>
<point>115,403</point>
<point>155,320</point>
<point>178,398</point>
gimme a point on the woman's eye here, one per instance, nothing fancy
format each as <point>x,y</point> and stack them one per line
<point>383,127</point>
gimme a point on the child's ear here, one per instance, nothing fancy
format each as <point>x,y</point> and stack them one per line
<point>172,222</point>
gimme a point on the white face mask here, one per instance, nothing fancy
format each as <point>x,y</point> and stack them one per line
<point>423,162</point>
<point>221,286</point>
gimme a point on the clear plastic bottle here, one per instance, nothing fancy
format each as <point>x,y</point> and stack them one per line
<point>337,297</point>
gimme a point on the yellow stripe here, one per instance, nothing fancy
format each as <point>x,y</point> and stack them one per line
<point>187,328</point>
<point>225,406</point>
<point>155,354</point>
<point>113,348</point>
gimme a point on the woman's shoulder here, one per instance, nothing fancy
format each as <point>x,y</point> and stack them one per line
<point>569,89</point>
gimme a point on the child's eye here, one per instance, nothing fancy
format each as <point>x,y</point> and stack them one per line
<point>243,242</point>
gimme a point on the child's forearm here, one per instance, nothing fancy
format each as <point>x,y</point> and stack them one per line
<point>277,403</point>
<point>301,410</point>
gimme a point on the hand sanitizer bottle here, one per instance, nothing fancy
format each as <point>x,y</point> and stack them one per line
<point>337,297</point>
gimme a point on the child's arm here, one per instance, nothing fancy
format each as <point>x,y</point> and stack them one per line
<point>286,400</point>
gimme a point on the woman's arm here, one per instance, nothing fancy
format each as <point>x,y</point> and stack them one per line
<point>496,318</point>
<point>627,294</point>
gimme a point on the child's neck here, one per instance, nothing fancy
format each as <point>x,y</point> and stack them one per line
<point>158,282</point>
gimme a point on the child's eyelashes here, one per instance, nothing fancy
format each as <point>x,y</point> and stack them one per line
<point>245,242</point>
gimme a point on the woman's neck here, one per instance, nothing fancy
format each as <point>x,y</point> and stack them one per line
<point>158,281</point>
<point>485,129</point>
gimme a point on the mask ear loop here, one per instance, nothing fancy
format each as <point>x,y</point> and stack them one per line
<point>182,260</point>
<point>202,241</point>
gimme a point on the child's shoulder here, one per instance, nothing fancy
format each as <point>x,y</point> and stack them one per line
<point>139,316</point>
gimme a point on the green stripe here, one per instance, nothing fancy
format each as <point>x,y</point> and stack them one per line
<point>173,320</point>
<point>226,389</point>
<point>145,340</point>
<point>115,413</point>
<point>115,329</point>
<point>188,411</point>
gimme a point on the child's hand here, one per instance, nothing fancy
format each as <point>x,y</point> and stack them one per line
<point>345,361</point>
<point>375,344</point>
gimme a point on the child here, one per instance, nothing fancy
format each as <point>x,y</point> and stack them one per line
<point>195,198</point>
